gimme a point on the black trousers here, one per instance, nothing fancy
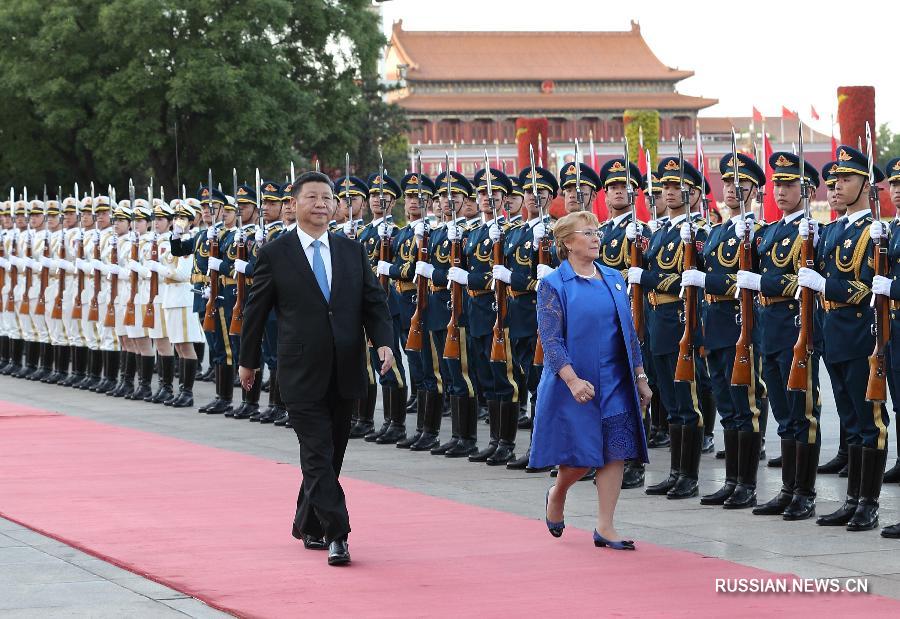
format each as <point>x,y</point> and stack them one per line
<point>323,429</point>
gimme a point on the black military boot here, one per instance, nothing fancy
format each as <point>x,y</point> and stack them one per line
<point>225,389</point>
<point>126,381</point>
<point>521,463</point>
<point>659,436</point>
<point>494,422</point>
<point>199,352</point>
<point>687,484</point>
<point>365,414</point>
<point>166,378</point>
<point>777,505</point>
<point>411,439</point>
<point>111,372</point>
<point>4,352</point>
<point>524,420</point>
<point>842,516</point>
<point>95,369</point>
<point>467,445</point>
<point>77,372</point>
<point>892,475</point>
<point>663,487</point>
<point>866,515</point>
<point>372,436</point>
<point>732,457</point>
<point>397,429</point>
<point>271,412</point>
<point>708,410</point>
<point>803,503</point>
<point>456,411</point>
<point>634,470</point>
<point>748,446</point>
<point>45,362</point>
<point>217,396</point>
<point>62,366</point>
<point>145,378</point>
<point>252,400</point>
<point>509,424</point>
<point>431,403</point>
<point>16,346</point>
<point>413,400</point>
<point>839,461</point>
<point>185,397</point>
<point>32,357</point>
<point>104,372</point>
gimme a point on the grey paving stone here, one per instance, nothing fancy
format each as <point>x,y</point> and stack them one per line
<point>7,542</point>
<point>149,588</point>
<point>194,608</point>
<point>140,609</point>
<point>94,593</point>
<point>36,573</point>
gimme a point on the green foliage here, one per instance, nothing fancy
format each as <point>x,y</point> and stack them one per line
<point>648,120</point>
<point>887,143</point>
<point>103,90</point>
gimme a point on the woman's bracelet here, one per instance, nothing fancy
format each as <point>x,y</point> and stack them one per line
<point>640,376</point>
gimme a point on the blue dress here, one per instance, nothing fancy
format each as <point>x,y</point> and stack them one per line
<point>587,323</point>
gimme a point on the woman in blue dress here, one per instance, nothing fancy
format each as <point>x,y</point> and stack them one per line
<point>593,386</point>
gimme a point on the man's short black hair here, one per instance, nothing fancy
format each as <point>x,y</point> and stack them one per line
<point>310,177</point>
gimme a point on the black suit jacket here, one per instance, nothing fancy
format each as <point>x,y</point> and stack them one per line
<point>315,336</point>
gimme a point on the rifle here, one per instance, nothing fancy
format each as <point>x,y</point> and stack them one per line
<point>384,247</point>
<point>56,313</point>
<point>41,307</point>
<point>651,199</point>
<point>544,246</point>
<point>579,195</point>
<point>25,305</point>
<point>876,387</point>
<point>414,339</point>
<point>743,351</point>
<point>14,270</point>
<point>803,348</point>
<point>451,345</point>
<point>110,319</point>
<point>149,321</point>
<point>209,317</point>
<point>237,312</point>
<point>684,368</point>
<point>352,234</point>
<point>498,345</point>
<point>637,292</point>
<point>133,256</point>
<point>94,308</point>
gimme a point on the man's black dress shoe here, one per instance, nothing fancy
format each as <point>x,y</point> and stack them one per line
<point>338,552</point>
<point>314,543</point>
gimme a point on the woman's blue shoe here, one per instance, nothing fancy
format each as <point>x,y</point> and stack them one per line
<point>600,542</point>
<point>556,528</point>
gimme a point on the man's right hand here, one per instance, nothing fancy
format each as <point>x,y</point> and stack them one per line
<point>247,377</point>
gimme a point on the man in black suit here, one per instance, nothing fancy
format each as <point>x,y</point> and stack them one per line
<point>327,303</point>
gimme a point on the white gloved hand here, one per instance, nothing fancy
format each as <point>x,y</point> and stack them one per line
<point>4,263</point>
<point>383,268</point>
<point>424,269</point>
<point>543,270</point>
<point>53,263</point>
<point>177,229</point>
<point>501,273</point>
<point>210,233</point>
<point>687,231</point>
<point>494,233</point>
<point>82,265</point>
<point>96,265</point>
<point>808,278</point>
<point>154,266</point>
<point>259,236</point>
<point>634,275</point>
<point>878,230</point>
<point>882,285</point>
<point>115,269</point>
<point>67,266</point>
<point>347,228</point>
<point>240,266</point>
<point>749,280</point>
<point>693,277</point>
<point>206,292</point>
<point>458,275</point>
<point>385,229</point>
<point>741,226</point>
<point>804,229</point>
<point>214,264</point>
<point>135,267</point>
<point>453,232</point>
<point>419,229</point>
<point>631,231</point>
<point>653,225</point>
<point>539,231</point>
<point>45,262</point>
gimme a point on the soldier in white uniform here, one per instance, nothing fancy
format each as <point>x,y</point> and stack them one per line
<point>60,290</point>
<point>5,268</point>
<point>160,235</point>
<point>121,276</point>
<point>47,286</point>
<point>27,267</point>
<point>140,335</point>
<point>109,343</point>
<point>89,329</point>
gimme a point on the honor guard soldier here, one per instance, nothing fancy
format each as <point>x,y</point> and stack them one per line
<point>30,245</point>
<point>58,340</point>
<point>742,414</point>
<point>122,225</point>
<point>94,359</point>
<point>668,318</point>
<point>838,464</point>
<point>242,253</point>
<point>139,335</point>
<point>443,374</point>
<point>12,298</point>
<point>417,190</point>
<point>6,230</point>
<point>796,411</point>
<point>110,347</point>
<point>38,289</point>
<point>843,276</point>
<point>160,244</point>
<point>617,236</point>
<point>377,236</point>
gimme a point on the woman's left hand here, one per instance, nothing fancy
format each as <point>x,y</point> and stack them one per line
<point>644,393</point>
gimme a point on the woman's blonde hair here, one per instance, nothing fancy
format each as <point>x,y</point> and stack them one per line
<point>567,226</point>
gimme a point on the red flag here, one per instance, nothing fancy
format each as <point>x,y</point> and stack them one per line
<point>599,208</point>
<point>770,209</point>
<point>787,114</point>
<point>757,116</point>
<point>813,113</point>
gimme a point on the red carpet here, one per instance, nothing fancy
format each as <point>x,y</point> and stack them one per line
<point>216,525</point>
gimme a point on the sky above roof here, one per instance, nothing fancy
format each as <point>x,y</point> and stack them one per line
<point>791,54</point>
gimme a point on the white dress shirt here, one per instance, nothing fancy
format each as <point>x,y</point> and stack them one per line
<point>306,242</point>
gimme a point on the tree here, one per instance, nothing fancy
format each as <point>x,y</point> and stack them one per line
<point>105,90</point>
<point>888,144</point>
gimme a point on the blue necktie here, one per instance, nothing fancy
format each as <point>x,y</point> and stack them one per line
<point>319,269</point>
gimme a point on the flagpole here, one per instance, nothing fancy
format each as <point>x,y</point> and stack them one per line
<point>782,126</point>
<point>593,151</point>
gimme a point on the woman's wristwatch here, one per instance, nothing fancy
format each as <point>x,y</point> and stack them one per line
<point>641,376</point>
